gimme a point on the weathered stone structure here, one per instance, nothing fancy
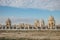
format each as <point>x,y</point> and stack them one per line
<point>42,24</point>
<point>51,22</point>
<point>8,23</point>
<point>36,23</point>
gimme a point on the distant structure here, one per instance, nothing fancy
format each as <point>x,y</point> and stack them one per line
<point>42,24</point>
<point>27,26</point>
<point>51,22</point>
<point>8,22</point>
<point>36,23</point>
<point>39,23</point>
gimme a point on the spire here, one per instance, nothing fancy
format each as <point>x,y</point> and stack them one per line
<point>51,18</point>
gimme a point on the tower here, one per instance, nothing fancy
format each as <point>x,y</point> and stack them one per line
<point>8,22</point>
<point>42,24</point>
<point>51,22</point>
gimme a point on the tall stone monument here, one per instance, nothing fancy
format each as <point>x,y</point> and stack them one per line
<point>51,22</point>
<point>8,22</point>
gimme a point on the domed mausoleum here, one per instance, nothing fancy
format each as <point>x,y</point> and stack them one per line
<point>51,22</point>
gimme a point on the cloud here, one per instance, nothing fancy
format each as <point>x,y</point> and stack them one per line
<point>39,4</point>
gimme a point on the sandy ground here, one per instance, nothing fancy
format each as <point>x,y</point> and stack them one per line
<point>54,35</point>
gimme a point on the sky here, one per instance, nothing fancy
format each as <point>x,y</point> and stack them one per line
<point>27,11</point>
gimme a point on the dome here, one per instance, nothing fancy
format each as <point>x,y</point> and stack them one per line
<point>36,21</point>
<point>51,18</point>
<point>41,20</point>
<point>8,20</point>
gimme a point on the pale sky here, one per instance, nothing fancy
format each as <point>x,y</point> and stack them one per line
<point>26,11</point>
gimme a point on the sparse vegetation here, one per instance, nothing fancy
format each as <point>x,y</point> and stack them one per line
<point>30,35</point>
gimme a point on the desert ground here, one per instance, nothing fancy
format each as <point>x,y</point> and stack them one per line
<point>30,34</point>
